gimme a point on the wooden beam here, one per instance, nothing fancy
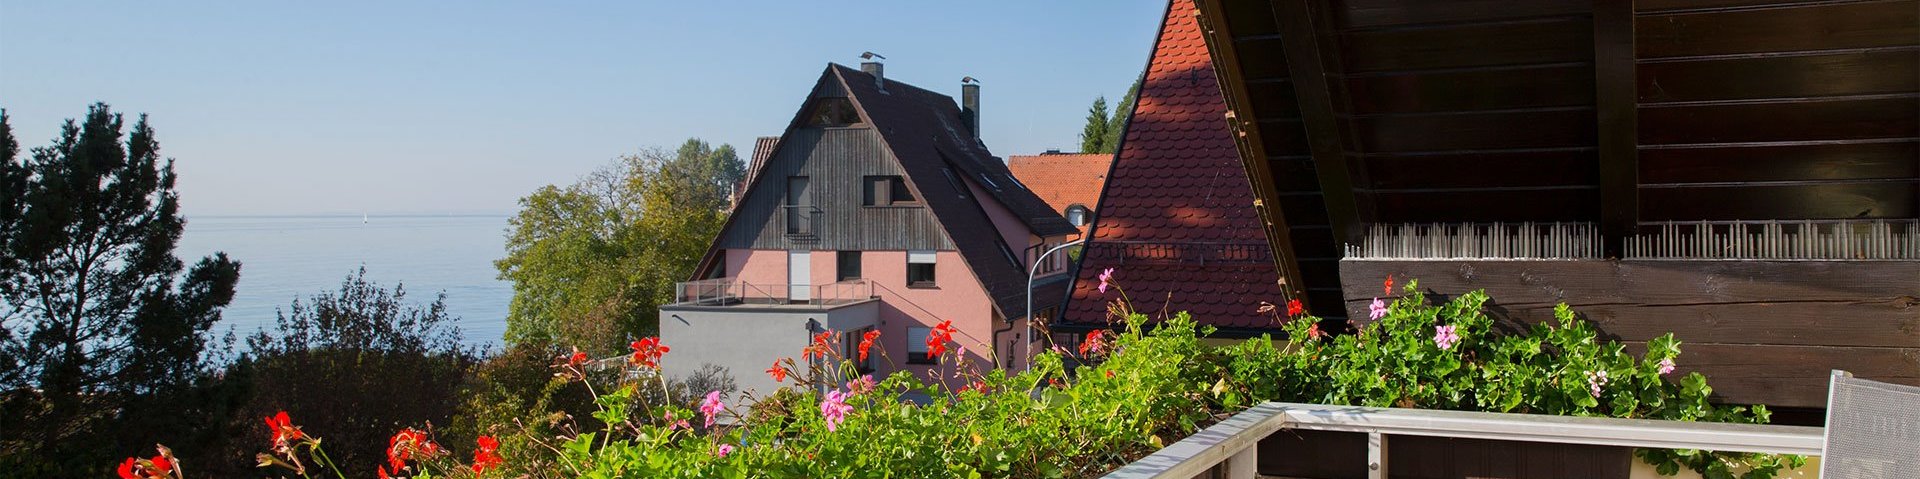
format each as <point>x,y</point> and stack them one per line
<point>1616,102</point>
<point>1310,60</point>
<point>1246,135</point>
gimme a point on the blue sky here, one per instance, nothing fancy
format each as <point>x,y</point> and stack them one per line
<point>463,107</point>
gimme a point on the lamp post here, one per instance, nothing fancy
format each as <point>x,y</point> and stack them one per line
<point>1030,271</point>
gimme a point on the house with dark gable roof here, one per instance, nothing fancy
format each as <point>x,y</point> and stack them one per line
<point>878,209</point>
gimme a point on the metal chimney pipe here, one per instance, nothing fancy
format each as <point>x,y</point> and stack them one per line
<point>970,107</point>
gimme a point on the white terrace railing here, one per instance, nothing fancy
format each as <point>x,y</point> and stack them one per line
<point>733,292</point>
<point>1873,431</point>
<point>1228,448</point>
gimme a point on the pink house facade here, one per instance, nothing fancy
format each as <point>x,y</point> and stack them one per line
<point>878,209</point>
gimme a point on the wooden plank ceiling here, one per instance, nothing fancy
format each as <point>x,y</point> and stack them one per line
<point>1619,113</point>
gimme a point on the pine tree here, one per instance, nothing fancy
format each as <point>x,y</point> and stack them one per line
<point>1093,137</point>
<point>98,312</point>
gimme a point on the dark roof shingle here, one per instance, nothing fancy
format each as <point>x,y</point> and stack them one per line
<point>925,131</point>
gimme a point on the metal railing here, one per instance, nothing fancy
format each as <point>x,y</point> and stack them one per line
<point>733,292</point>
<point>1195,253</point>
<point>1229,448</point>
<point>800,220</point>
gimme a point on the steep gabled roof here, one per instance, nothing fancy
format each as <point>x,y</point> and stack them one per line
<point>927,134</point>
<point>1176,220</point>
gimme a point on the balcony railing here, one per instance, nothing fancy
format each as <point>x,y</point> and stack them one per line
<point>1873,431</point>
<point>801,220</point>
<point>733,292</point>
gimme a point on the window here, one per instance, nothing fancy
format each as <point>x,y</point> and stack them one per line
<point>920,269</point>
<point>989,182</point>
<point>886,191</point>
<point>1078,215</point>
<point>833,112</point>
<point>850,349</point>
<point>917,346</point>
<point>849,265</point>
<point>799,211</point>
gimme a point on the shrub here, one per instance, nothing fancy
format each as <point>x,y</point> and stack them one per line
<point>1417,354</point>
<point>1155,382</point>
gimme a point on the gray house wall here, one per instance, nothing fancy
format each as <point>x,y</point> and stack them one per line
<point>746,339</point>
<point>835,162</point>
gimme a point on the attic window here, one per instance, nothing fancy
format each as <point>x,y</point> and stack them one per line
<point>833,112</point>
<point>887,190</point>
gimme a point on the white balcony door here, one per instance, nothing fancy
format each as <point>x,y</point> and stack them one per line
<point>798,271</point>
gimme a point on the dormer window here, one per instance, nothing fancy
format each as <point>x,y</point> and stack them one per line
<point>833,112</point>
<point>1079,215</point>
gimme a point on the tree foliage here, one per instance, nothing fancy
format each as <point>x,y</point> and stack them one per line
<point>591,261</point>
<point>358,362</point>
<point>95,308</point>
<point>1093,136</point>
<point>1103,129</point>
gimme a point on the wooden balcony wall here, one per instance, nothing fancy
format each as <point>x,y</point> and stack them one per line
<point>1617,113</point>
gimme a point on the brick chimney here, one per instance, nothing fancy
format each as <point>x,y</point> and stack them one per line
<point>878,71</point>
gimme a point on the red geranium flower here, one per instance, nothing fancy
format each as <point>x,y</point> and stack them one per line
<point>866,342</point>
<point>647,352</point>
<point>578,358</point>
<point>1387,287</point>
<point>283,429</point>
<point>938,338</point>
<point>485,458</point>
<point>1294,308</point>
<point>159,467</point>
<point>820,346</point>
<point>779,373</point>
<point>407,445</point>
<point>1095,343</point>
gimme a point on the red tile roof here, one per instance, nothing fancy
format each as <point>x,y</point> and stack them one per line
<point>1176,221</point>
<point>1063,180</point>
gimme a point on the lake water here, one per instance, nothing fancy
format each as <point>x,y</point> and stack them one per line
<point>287,257</point>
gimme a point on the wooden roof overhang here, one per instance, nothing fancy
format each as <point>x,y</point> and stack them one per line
<point>1626,116</point>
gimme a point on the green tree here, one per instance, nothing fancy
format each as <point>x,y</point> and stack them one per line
<point>590,262</point>
<point>1117,124</point>
<point>98,314</point>
<point>1093,137</point>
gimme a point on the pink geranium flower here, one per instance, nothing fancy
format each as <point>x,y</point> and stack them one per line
<point>723,450</point>
<point>834,408</point>
<point>1595,381</point>
<point>1377,310</point>
<point>1444,337</point>
<point>1105,276</point>
<point>1666,366</point>
<point>711,406</point>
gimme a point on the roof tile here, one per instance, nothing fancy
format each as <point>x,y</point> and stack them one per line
<point>1177,189</point>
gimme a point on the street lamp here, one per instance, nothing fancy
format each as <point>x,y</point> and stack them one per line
<point>1030,272</point>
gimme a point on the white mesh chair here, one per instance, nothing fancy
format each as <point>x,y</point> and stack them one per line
<point>1873,430</point>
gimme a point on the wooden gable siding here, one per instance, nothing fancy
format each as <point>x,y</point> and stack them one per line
<point>834,160</point>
